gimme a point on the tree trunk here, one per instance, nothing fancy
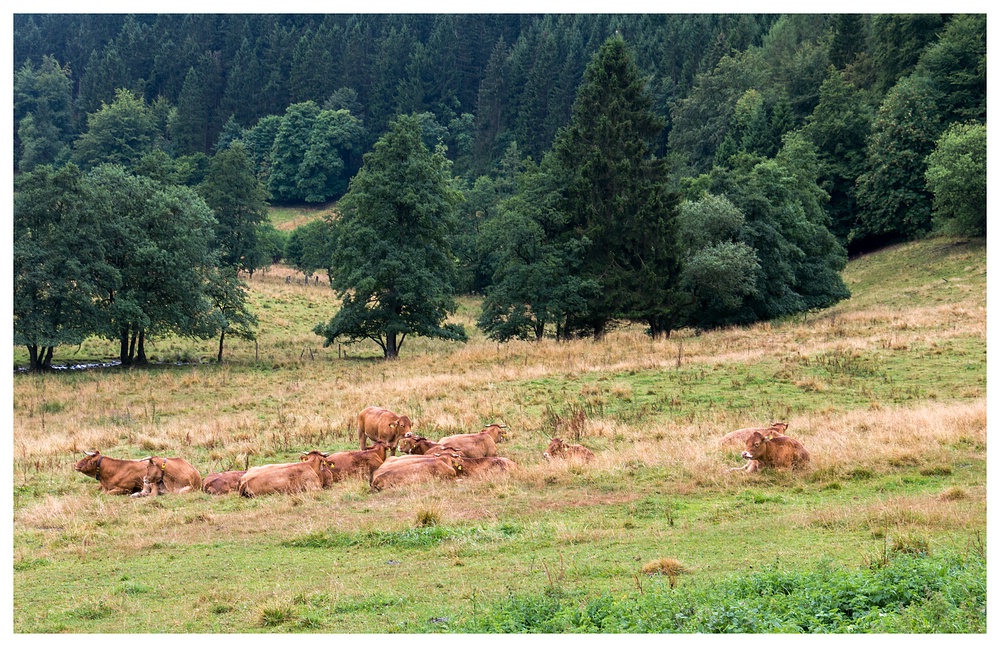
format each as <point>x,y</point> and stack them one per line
<point>131,346</point>
<point>123,354</point>
<point>47,356</point>
<point>140,353</point>
<point>600,327</point>
<point>32,358</point>
<point>391,349</point>
<point>222,338</point>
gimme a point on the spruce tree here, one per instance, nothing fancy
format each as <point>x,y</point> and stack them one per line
<point>615,194</point>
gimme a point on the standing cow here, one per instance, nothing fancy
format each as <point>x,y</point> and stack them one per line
<point>168,475</point>
<point>376,423</point>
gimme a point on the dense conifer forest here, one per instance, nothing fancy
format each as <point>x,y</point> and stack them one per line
<point>579,171</point>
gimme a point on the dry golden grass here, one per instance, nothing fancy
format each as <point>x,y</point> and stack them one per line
<point>249,413</point>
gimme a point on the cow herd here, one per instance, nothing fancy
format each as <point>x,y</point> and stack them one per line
<point>468,455</point>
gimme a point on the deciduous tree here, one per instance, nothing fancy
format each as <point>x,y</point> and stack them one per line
<point>393,267</point>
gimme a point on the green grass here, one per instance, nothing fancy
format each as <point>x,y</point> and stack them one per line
<point>553,548</point>
<point>288,218</point>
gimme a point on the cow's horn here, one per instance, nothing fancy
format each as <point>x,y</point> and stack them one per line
<point>145,458</point>
<point>89,453</point>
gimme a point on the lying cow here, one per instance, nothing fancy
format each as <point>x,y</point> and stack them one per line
<point>772,451</point>
<point>473,467</point>
<point>356,463</point>
<point>222,482</point>
<point>376,423</point>
<point>415,445</point>
<point>559,449</point>
<point>475,445</point>
<point>115,475</point>
<point>497,432</point>
<point>739,437</point>
<point>413,469</point>
<point>174,475</point>
<point>310,473</point>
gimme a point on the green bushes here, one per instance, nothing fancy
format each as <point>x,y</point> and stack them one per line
<point>909,594</point>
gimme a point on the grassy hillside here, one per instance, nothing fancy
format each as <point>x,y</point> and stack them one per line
<point>886,390</point>
<point>289,218</point>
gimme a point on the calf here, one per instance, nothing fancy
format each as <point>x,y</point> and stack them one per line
<point>739,437</point>
<point>772,451</point>
<point>114,475</point>
<point>559,449</point>
<point>169,475</point>
<point>311,473</point>
<point>222,482</point>
<point>376,423</point>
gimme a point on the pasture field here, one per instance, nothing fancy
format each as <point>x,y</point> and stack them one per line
<point>885,532</point>
<point>288,218</point>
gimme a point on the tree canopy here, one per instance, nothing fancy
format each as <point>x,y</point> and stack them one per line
<point>392,263</point>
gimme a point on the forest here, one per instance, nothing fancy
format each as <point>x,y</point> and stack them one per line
<point>578,172</point>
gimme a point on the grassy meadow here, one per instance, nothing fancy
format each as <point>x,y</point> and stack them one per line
<point>886,390</point>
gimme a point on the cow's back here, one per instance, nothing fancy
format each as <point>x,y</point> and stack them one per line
<point>222,482</point>
<point>181,476</point>
<point>739,437</point>
<point>784,451</point>
<point>410,469</point>
<point>471,445</point>
<point>284,478</point>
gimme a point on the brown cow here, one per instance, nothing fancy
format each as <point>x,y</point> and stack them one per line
<point>475,445</point>
<point>410,469</point>
<point>739,437</point>
<point>772,451</point>
<point>311,473</point>
<point>356,463</point>
<point>222,482</point>
<point>377,423</point>
<point>559,449</point>
<point>415,445</point>
<point>497,432</point>
<point>473,467</point>
<point>169,475</point>
<point>115,475</point>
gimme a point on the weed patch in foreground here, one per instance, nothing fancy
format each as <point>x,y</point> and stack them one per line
<point>909,593</point>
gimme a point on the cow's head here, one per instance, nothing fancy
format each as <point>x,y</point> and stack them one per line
<point>756,446</point>
<point>496,431</point>
<point>155,468</point>
<point>452,457</point>
<point>780,427</point>
<point>556,448</point>
<point>403,425</point>
<point>409,442</point>
<point>88,464</point>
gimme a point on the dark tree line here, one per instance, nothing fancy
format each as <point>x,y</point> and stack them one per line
<point>720,182</point>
